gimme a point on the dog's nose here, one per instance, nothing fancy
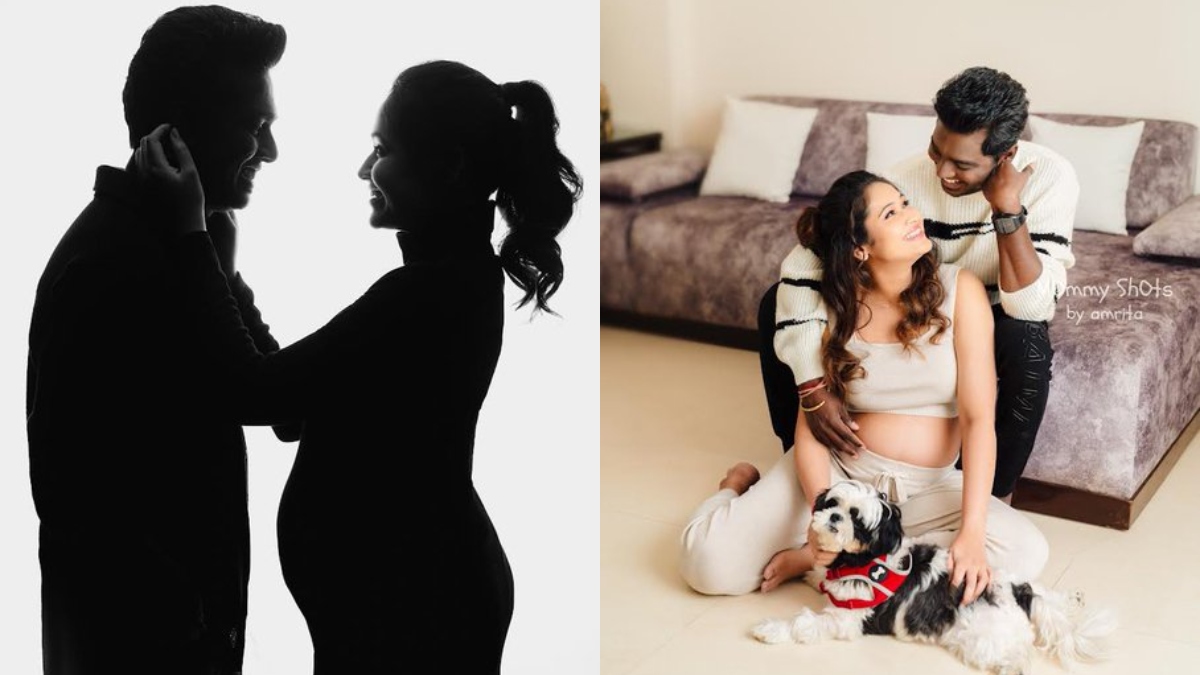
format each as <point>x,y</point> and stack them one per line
<point>835,517</point>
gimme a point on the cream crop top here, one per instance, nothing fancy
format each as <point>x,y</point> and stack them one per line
<point>922,381</point>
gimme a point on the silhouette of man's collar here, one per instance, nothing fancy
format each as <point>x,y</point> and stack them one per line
<point>118,184</point>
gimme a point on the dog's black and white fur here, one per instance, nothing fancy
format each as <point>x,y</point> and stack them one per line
<point>997,632</point>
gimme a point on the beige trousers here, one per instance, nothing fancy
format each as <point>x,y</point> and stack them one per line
<point>731,538</point>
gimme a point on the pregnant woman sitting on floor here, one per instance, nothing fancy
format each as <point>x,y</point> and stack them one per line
<point>909,347</point>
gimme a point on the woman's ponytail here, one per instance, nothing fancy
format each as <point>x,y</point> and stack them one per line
<point>536,194</point>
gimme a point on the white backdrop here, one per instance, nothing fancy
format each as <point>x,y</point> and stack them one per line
<point>307,251</point>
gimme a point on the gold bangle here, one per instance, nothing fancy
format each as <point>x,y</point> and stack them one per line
<point>815,407</point>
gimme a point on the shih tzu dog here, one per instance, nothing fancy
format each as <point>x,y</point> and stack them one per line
<point>883,584</point>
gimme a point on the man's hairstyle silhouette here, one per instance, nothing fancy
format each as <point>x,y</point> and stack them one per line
<point>191,60</point>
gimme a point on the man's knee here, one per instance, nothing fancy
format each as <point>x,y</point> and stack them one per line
<point>782,403</point>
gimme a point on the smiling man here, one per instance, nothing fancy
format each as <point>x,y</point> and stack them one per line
<point>138,472</point>
<point>1004,210</point>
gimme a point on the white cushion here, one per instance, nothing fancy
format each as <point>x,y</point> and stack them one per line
<point>892,139</point>
<point>1103,158</point>
<point>758,151</point>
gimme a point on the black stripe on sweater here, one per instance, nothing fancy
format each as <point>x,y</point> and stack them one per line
<point>797,322</point>
<point>1042,251</point>
<point>802,283</point>
<point>946,231</point>
<point>938,230</point>
<point>1050,237</point>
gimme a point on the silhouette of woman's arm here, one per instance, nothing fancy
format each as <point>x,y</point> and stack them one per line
<point>312,374</point>
<point>262,388</point>
<point>260,333</point>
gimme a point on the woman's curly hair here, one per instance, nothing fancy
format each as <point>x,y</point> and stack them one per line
<point>833,230</point>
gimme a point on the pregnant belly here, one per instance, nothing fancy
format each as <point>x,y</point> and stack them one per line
<point>386,544</point>
<point>359,574</point>
<point>912,439</point>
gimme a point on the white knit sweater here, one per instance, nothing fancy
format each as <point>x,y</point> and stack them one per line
<point>961,228</point>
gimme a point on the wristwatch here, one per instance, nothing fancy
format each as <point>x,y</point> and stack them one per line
<point>1007,223</point>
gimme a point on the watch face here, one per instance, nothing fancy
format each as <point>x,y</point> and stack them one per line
<point>1006,224</point>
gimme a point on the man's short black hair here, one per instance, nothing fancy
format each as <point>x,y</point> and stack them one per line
<point>190,58</point>
<point>984,98</point>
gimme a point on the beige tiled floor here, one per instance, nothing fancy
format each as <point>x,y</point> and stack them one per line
<point>676,414</point>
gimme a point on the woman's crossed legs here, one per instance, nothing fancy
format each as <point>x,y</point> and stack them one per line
<point>751,534</point>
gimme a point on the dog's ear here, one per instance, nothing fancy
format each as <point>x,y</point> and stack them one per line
<point>890,533</point>
<point>819,504</point>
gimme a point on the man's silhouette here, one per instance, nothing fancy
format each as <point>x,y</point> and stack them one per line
<point>138,474</point>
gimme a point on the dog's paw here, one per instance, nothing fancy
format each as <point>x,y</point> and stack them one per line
<point>772,631</point>
<point>806,627</point>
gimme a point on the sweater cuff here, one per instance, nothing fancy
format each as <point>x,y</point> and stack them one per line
<point>807,369</point>
<point>799,348</point>
<point>1035,302</point>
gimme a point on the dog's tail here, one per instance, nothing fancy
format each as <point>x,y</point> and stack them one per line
<point>1065,629</point>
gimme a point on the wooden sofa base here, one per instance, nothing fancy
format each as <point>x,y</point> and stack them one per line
<point>1096,509</point>
<point>1031,495</point>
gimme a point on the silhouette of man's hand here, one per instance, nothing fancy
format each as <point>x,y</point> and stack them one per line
<point>176,191</point>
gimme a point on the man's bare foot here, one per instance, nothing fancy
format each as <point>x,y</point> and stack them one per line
<point>786,564</point>
<point>740,477</point>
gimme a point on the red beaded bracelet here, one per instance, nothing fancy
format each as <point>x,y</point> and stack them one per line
<point>805,392</point>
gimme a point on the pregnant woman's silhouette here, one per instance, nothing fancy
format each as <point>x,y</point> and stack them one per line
<point>384,542</point>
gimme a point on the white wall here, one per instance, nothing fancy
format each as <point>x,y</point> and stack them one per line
<point>307,250</point>
<point>668,64</point>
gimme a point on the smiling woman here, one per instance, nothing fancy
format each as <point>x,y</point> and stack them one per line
<point>306,244</point>
<point>394,383</point>
<point>909,348</point>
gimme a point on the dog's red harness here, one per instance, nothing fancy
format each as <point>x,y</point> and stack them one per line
<point>884,575</point>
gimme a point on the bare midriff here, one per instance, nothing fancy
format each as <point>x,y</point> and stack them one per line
<point>913,439</point>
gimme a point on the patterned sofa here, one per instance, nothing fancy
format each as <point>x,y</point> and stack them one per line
<point>1126,373</point>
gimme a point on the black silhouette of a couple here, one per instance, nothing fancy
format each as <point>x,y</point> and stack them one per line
<point>147,354</point>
